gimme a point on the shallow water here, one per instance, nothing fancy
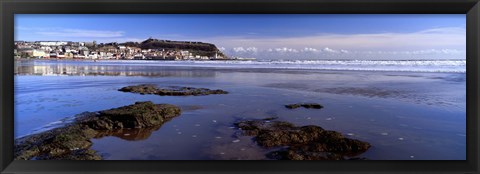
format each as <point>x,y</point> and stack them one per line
<point>404,115</point>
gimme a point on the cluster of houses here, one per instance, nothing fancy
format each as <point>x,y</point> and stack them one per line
<point>90,50</point>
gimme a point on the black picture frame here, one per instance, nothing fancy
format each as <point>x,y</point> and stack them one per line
<point>8,8</point>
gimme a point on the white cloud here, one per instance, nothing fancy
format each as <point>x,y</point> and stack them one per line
<point>329,50</point>
<point>284,50</point>
<point>433,43</point>
<point>435,38</point>
<point>252,49</point>
<point>307,49</point>
<point>444,30</point>
<point>241,49</point>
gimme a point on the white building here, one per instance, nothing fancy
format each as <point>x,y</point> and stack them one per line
<point>93,56</point>
<point>46,48</point>
<point>52,43</point>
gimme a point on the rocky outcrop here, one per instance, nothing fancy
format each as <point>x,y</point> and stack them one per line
<point>73,140</point>
<point>305,105</point>
<point>197,48</point>
<point>139,115</point>
<point>171,91</point>
<point>301,143</point>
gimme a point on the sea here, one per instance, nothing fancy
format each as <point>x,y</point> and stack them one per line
<point>407,109</point>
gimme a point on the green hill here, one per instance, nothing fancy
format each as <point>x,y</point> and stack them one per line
<point>197,48</point>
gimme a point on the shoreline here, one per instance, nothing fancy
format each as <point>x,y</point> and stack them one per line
<point>160,60</point>
<point>439,66</point>
<point>378,108</point>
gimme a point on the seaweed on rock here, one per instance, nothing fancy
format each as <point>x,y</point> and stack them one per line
<point>72,141</point>
<point>305,105</point>
<point>170,91</point>
<point>301,143</point>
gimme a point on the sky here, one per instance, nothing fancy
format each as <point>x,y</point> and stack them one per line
<point>275,36</point>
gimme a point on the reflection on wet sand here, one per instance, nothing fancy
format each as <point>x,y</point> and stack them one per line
<point>384,92</point>
<point>129,134</point>
<point>403,95</point>
<point>367,92</point>
<point>108,70</point>
<point>243,150</point>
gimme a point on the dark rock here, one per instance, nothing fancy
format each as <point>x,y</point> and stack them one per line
<point>80,154</point>
<point>305,105</point>
<point>302,143</point>
<point>73,140</point>
<point>139,115</point>
<point>54,144</point>
<point>171,91</point>
<point>254,127</point>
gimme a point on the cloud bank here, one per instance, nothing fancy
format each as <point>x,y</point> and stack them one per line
<point>441,43</point>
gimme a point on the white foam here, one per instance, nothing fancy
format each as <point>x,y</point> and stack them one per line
<point>449,66</point>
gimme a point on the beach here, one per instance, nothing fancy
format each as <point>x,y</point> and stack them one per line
<point>405,111</point>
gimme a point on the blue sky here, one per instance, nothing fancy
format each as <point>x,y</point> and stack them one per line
<point>302,36</point>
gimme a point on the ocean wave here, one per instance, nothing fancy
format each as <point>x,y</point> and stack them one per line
<point>341,62</point>
<point>452,66</point>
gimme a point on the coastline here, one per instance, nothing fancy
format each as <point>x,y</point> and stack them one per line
<point>66,59</point>
<point>428,66</point>
<point>397,112</point>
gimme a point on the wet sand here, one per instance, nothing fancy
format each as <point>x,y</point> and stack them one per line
<point>403,115</point>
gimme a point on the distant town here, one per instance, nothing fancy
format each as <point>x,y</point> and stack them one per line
<point>150,49</point>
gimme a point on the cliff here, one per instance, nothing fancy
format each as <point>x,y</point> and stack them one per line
<point>197,48</point>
